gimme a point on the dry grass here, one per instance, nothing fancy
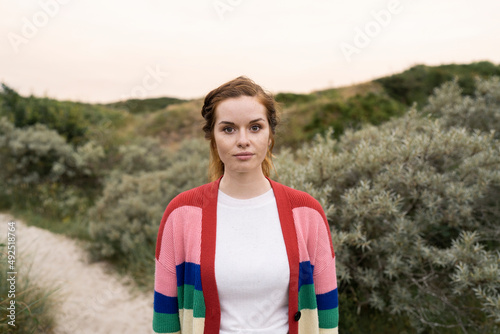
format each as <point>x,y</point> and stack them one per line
<point>33,303</point>
<point>360,89</point>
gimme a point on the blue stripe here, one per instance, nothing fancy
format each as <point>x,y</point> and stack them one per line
<point>165,304</point>
<point>328,301</point>
<point>305,273</point>
<point>189,273</point>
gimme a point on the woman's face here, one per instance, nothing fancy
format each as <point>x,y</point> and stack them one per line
<point>241,134</point>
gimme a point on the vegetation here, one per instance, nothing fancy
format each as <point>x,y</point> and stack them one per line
<point>71,120</point>
<point>136,106</point>
<point>44,174</point>
<point>33,304</point>
<point>418,82</point>
<point>414,208</point>
<point>174,123</point>
<point>124,221</point>
<point>411,190</point>
<point>371,108</point>
<point>477,112</point>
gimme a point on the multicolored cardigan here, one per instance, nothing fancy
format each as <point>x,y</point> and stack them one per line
<point>186,299</point>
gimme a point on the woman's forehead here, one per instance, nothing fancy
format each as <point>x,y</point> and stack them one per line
<point>243,108</point>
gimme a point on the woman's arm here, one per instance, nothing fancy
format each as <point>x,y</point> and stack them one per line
<point>325,281</point>
<point>166,310</point>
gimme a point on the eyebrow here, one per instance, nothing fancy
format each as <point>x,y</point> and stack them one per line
<point>231,123</point>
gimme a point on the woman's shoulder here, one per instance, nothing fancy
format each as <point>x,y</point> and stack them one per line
<point>299,198</point>
<point>191,197</point>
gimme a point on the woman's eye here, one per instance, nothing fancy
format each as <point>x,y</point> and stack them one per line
<point>228,129</point>
<point>255,127</point>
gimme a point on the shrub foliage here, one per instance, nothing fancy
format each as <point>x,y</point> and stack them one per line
<point>124,221</point>
<point>477,112</point>
<point>418,82</point>
<point>413,205</point>
<point>72,120</point>
<point>36,154</point>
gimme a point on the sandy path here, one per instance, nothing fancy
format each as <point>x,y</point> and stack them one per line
<point>90,298</point>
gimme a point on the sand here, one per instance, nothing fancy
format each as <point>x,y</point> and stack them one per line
<point>90,298</point>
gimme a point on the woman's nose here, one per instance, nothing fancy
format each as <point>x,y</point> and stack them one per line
<point>243,139</point>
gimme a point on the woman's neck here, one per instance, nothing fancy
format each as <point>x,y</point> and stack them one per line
<point>244,185</point>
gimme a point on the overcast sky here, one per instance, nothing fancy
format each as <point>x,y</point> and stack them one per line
<point>103,51</point>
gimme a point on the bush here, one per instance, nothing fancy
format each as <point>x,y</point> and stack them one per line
<point>303,120</point>
<point>418,82</point>
<point>124,222</point>
<point>357,110</point>
<point>413,205</point>
<point>145,155</point>
<point>44,174</point>
<point>37,154</point>
<point>72,120</point>
<point>478,112</point>
<point>174,123</point>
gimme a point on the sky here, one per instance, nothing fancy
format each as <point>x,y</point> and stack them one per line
<point>106,51</point>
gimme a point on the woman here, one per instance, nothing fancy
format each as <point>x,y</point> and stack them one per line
<point>244,254</point>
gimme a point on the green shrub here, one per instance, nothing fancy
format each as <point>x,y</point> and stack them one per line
<point>124,221</point>
<point>477,112</point>
<point>174,123</point>
<point>143,155</point>
<point>71,120</point>
<point>413,205</point>
<point>357,110</point>
<point>37,154</point>
<point>44,175</point>
<point>302,120</point>
<point>418,82</point>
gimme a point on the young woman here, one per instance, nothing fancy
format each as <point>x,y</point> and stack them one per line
<point>244,254</point>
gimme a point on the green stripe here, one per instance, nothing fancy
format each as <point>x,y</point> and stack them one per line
<point>166,323</point>
<point>186,291</point>
<point>307,297</point>
<point>328,318</point>
<point>180,296</point>
<point>191,299</point>
<point>199,304</point>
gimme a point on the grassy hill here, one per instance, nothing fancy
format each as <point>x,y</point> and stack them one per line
<point>303,115</point>
<point>135,106</point>
<point>418,82</point>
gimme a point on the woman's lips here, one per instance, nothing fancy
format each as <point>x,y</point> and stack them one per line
<point>244,155</point>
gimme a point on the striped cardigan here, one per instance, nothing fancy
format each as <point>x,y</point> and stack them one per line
<point>186,299</point>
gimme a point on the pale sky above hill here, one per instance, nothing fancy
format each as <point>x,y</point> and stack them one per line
<point>103,51</point>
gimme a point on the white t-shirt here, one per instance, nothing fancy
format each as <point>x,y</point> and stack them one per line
<point>251,266</point>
